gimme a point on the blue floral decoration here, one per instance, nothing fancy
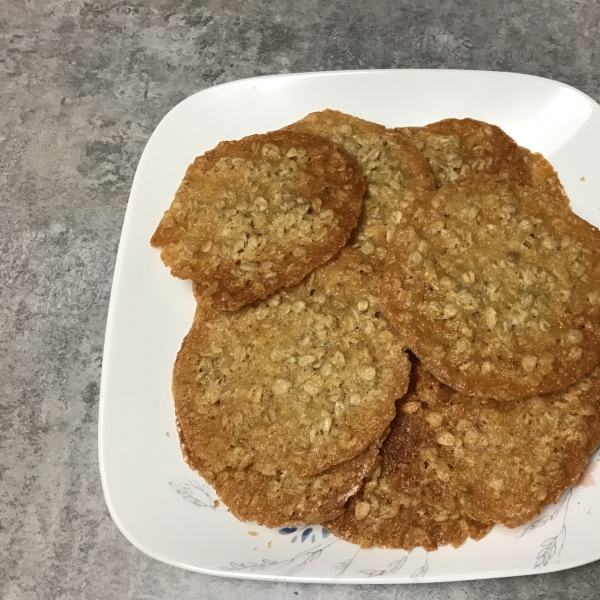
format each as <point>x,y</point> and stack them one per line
<point>303,533</point>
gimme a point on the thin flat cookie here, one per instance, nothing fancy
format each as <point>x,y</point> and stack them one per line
<point>258,214</point>
<point>282,499</point>
<point>499,462</point>
<point>496,289</point>
<point>302,381</point>
<point>395,172</point>
<point>544,178</point>
<point>383,517</point>
<point>459,148</point>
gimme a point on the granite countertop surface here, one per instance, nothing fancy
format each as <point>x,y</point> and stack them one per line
<point>82,86</point>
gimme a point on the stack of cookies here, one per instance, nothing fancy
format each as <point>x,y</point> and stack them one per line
<point>397,331</point>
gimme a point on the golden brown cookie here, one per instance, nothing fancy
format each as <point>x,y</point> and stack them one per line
<point>544,178</point>
<point>258,214</point>
<point>301,382</point>
<point>496,289</point>
<point>384,517</point>
<point>459,148</point>
<point>395,172</point>
<point>498,462</point>
<point>282,499</point>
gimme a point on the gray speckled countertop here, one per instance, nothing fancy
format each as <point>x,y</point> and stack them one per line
<point>82,86</point>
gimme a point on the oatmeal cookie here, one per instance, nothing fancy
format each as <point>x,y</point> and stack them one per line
<point>544,178</point>
<point>282,499</point>
<point>499,462</point>
<point>384,517</point>
<point>459,148</point>
<point>496,289</point>
<point>303,381</point>
<point>258,214</point>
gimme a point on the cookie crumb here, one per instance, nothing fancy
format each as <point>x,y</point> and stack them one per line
<point>253,533</point>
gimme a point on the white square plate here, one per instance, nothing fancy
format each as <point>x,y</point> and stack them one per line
<point>164,508</point>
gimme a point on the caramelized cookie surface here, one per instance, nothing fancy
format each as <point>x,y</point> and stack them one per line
<point>384,517</point>
<point>498,462</point>
<point>496,289</point>
<point>459,148</point>
<point>544,178</point>
<point>258,214</point>
<point>283,499</point>
<point>395,171</point>
<point>301,382</point>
